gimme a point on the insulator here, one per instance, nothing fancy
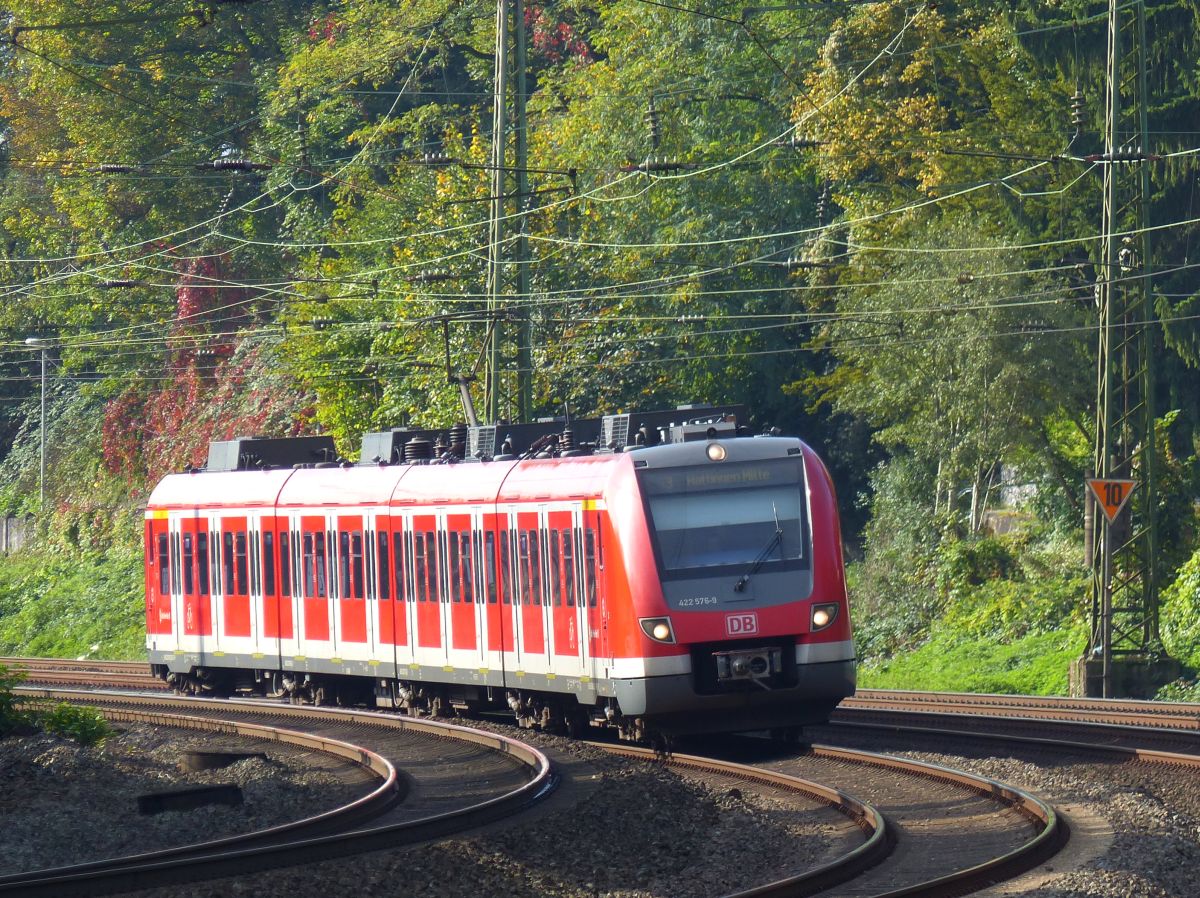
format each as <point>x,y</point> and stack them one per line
<point>435,159</point>
<point>118,284</point>
<point>458,440</point>
<point>567,442</point>
<point>417,450</point>
<point>1078,113</point>
<point>116,168</point>
<point>651,117</point>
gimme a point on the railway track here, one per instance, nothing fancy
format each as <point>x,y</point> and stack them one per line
<point>894,827</point>
<point>998,831</point>
<point>456,779</point>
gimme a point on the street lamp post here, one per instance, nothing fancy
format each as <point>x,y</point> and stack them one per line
<point>43,345</point>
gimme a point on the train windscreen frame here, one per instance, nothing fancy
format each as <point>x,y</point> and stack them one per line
<point>722,517</point>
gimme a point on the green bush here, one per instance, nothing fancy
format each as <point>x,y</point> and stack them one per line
<point>63,604</point>
<point>9,716</point>
<point>87,726</point>
<point>1180,614</point>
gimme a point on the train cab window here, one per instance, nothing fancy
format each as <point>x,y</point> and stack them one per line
<point>489,565</point>
<point>285,567</point>
<point>189,559</point>
<point>731,516</point>
<point>164,565</point>
<point>569,566</point>
<point>202,561</point>
<point>240,544</point>
<point>227,558</point>
<point>589,567</point>
<point>268,568</point>
<point>506,581</point>
<point>385,569</point>
<point>554,565</point>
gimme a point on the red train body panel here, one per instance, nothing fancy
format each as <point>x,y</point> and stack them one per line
<point>684,587</point>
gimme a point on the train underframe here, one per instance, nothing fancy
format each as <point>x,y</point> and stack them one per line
<point>809,698</point>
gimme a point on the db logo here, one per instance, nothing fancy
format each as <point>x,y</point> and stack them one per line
<point>741,624</point>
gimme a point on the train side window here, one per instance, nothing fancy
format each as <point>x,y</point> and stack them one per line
<point>310,577</point>
<point>436,555</point>
<point>227,558</point>
<point>255,566</point>
<point>285,566</point>
<point>468,566</point>
<point>422,581</point>
<point>569,537</point>
<point>164,565</point>
<point>535,566</point>
<point>240,544</point>
<point>202,561</point>
<point>384,567</point>
<point>554,568</point>
<point>356,564</point>
<point>523,561</point>
<point>489,564</point>
<point>589,569</point>
<point>268,567</point>
<point>319,541</point>
<point>214,539</point>
<point>506,581</point>
<point>344,564</point>
<point>189,559</point>
<point>456,592</point>
<point>371,579</point>
<point>401,567</point>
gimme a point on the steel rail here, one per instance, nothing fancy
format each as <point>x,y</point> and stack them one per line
<point>237,855</point>
<point>1052,830</point>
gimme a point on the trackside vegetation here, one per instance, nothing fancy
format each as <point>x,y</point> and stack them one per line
<point>875,225</point>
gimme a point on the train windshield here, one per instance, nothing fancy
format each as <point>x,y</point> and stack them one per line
<point>726,515</point>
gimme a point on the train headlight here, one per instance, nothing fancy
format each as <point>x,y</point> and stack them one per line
<point>823,616</point>
<point>715,452</point>
<point>658,629</point>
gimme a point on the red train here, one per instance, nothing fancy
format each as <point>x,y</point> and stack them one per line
<point>678,578</point>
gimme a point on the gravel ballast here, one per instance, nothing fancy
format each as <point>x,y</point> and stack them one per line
<point>636,831</point>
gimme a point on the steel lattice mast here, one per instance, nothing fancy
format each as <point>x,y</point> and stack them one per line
<point>1124,613</point>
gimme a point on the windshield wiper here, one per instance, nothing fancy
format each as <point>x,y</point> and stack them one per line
<point>775,540</point>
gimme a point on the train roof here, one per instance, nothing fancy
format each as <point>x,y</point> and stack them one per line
<point>217,489</point>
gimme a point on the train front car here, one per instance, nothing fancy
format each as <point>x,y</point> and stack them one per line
<point>737,584</point>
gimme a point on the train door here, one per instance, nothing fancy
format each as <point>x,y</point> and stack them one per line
<point>533,635</point>
<point>383,601</point>
<point>592,605</point>
<point>191,587</point>
<point>160,620</point>
<point>465,591</point>
<point>427,585</point>
<point>291,586</point>
<point>314,617</point>
<point>354,631</point>
<point>254,536</point>
<point>276,574</point>
<point>235,582</point>
<point>405,615</point>
<point>497,574</point>
<point>563,592</point>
